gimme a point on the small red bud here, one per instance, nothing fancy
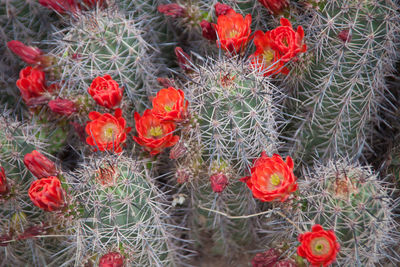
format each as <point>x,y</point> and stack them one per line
<point>221,9</point>
<point>29,54</point>
<point>4,238</point>
<point>62,106</point>
<point>182,175</point>
<point>218,182</point>
<point>285,263</point>
<point>345,36</point>
<point>178,151</point>
<point>32,231</point>
<point>183,59</point>
<point>166,82</point>
<point>4,188</point>
<point>266,259</point>
<point>112,259</point>
<point>172,10</point>
<point>208,30</point>
<point>39,165</point>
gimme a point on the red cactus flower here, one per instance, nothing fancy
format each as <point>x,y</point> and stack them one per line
<point>287,42</point>
<point>112,259</point>
<point>319,246</point>
<point>172,10</point>
<point>170,105</point>
<point>61,6</point>
<point>39,165</point>
<point>62,106</point>
<point>266,60</point>
<point>106,132</point>
<point>233,31</point>
<point>271,178</point>
<point>183,59</point>
<point>3,182</point>
<point>29,54</point>
<point>31,83</point>
<point>47,193</point>
<point>218,182</point>
<point>105,91</point>
<point>221,9</point>
<point>208,30</point>
<point>154,134</point>
<point>275,6</point>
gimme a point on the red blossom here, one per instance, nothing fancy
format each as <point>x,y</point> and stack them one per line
<point>39,165</point>
<point>29,54</point>
<point>275,6</point>
<point>172,10</point>
<point>153,134</point>
<point>106,132</point>
<point>271,178</point>
<point>105,91</point>
<point>31,83</point>
<point>170,105</point>
<point>233,32</point>
<point>319,246</point>
<point>62,106</point>
<point>47,193</point>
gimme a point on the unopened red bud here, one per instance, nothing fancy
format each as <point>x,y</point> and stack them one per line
<point>218,182</point>
<point>112,259</point>
<point>182,175</point>
<point>345,35</point>
<point>39,165</point>
<point>4,188</point>
<point>80,130</point>
<point>285,263</point>
<point>208,30</point>
<point>62,106</point>
<point>275,6</point>
<point>29,54</point>
<point>172,10</point>
<point>221,9</point>
<point>183,59</point>
<point>178,151</point>
<point>266,259</point>
<point>166,82</point>
<point>61,6</point>
<point>4,240</point>
<point>32,231</point>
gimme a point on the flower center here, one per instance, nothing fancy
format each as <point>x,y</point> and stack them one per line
<point>268,55</point>
<point>274,179</point>
<point>155,131</point>
<point>320,246</point>
<point>109,131</point>
<point>232,33</point>
<point>167,108</point>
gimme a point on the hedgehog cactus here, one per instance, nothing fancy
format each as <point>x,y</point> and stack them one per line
<point>350,200</point>
<point>343,85</point>
<point>122,209</point>
<point>105,42</point>
<point>20,221</point>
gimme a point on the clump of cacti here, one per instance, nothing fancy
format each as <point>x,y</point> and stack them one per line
<point>252,149</point>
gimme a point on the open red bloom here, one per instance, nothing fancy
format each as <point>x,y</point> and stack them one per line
<point>29,54</point>
<point>62,106</point>
<point>39,165</point>
<point>31,83</point>
<point>107,132</point>
<point>275,6</point>
<point>112,259</point>
<point>271,178</point>
<point>47,193</point>
<point>105,91</point>
<point>170,105</point>
<point>154,134</point>
<point>287,42</point>
<point>319,246</point>
<point>233,31</point>
<point>3,182</point>
<point>265,59</point>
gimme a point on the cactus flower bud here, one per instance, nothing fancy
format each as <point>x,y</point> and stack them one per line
<point>39,165</point>
<point>275,6</point>
<point>266,259</point>
<point>61,6</point>
<point>182,175</point>
<point>29,54</point>
<point>172,10</point>
<point>208,30</point>
<point>165,82</point>
<point>31,83</point>
<point>183,59</point>
<point>4,239</point>
<point>178,151</point>
<point>285,263</point>
<point>218,182</point>
<point>221,9</point>
<point>47,193</point>
<point>3,182</point>
<point>62,106</point>
<point>345,35</point>
<point>106,92</point>
<point>112,259</point>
